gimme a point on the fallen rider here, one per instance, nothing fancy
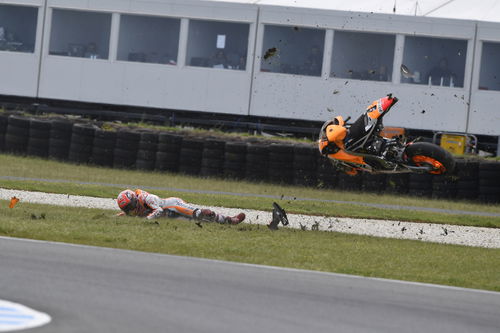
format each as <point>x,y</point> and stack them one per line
<point>143,204</point>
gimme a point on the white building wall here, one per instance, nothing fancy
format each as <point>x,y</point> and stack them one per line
<point>320,98</point>
<point>252,91</point>
<point>151,85</point>
<point>484,115</point>
<point>19,70</point>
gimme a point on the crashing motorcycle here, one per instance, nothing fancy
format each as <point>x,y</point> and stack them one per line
<point>360,146</point>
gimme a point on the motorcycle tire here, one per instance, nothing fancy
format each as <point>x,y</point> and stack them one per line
<point>425,153</point>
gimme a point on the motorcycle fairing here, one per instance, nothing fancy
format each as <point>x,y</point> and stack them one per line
<point>332,142</point>
<point>360,146</point>
<point>331,136</point>
<point>361,130</point>
<point>344,156</point>
<point>380,106</point>
<point>334,132</point>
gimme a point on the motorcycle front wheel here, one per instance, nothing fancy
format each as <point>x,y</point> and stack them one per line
<point>428,154</point>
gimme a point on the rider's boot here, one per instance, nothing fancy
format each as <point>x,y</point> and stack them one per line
<point>235,219</point>
<point>209,215</point>
<point>205,214</point>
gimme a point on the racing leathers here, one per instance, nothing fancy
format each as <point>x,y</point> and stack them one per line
<point>151,206</point>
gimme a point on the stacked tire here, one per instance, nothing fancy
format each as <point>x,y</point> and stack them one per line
<point>444,186</point>
<point>146,155</point>
<point>126,147</point>
<point>489,182</point>
<point>168,151</point>
<point>467,172</point>
<point>4,120</point>
<point>348,182</point>
<point>235,159</point>
<point>374,183</point>
<point>82,140</point>
<point>397,183</point>
<point>281,163</point>
<point>298,164</point>
<point>327,175</point>
<point>190,156</point>
<point>17,134</point>
<point>39,137</point>
<point>304,165</point>
<point>257,161</point>
<point>212,158</point>
<point>103,147</point>
<point>60,139</point>
<point>420,185</point>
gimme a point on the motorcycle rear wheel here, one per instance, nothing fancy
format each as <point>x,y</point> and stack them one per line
<point>428,154</point>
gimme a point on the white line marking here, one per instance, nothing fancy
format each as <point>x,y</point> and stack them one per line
<point>15,316</point>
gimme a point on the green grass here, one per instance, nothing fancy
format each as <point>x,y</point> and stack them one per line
<point>323,251</point>
<point>39,168</point>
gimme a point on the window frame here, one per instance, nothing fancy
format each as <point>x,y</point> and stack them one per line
<point>425,84</point>
<point>263,50</point>
<point>119,31</point>
<point>390,67</point>
<point>50,17</point>
<point>480,66</point>
<point>188,57</point>
<point>36,27</point>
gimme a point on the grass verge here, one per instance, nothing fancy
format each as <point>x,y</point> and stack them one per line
<point>315,250</point>
<point>39,168</point>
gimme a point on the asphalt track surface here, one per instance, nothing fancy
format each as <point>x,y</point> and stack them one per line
<point>92,289</point>
<point>282,197</point>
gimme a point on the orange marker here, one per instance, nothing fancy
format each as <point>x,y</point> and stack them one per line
<point>13,202</point>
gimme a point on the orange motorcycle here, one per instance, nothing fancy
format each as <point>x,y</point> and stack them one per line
<point>361,147</point>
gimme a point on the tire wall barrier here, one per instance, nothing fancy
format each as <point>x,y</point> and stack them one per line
<point>38,140</point>
<point>190,155</point>
<point>4,121</point>
<point>212,157</point>
<point>82,140</point>
<point>60,139</point>
<point>17,135</point>
<point>126,148</point>
<point>146,153</point>
<point>167,152</point>
<point>234,163</point>
<point>103,147</point>
<point>244,159</point>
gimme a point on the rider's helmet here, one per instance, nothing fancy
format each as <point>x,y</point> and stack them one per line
<point>127,201</point>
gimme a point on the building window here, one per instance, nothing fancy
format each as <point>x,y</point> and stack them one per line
<point>80,34</point>
<point>18,28</point>
<point>434,61</point>
<point>489,77</point>
<point>217,44</point>
<point>149,39</point>
<point>362,56</point>
<point>293,50</point>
